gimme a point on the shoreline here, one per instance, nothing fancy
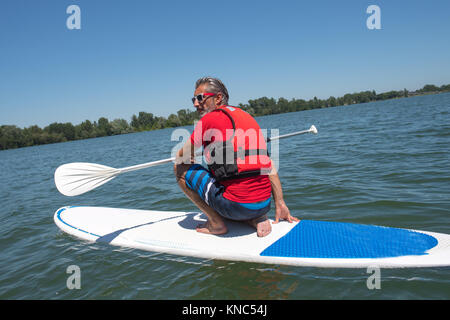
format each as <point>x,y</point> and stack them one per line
<point>13,137</point>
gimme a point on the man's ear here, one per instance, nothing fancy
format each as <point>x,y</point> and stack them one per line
<point>218,99</point>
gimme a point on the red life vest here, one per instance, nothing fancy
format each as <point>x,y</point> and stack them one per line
<point>243,152</point>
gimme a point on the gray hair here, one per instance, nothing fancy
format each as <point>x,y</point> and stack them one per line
<point>214,85</point>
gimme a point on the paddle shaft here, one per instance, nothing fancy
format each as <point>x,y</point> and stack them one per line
<point>310,130</point>
<point>163,161</point>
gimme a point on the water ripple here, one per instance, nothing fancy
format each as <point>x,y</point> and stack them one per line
<point>383,163</point>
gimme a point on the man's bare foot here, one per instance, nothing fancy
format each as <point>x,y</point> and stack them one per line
<point>262,225</point>
<point>208,229</point>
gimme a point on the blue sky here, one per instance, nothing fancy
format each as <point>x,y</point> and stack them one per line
<point>132,56</point>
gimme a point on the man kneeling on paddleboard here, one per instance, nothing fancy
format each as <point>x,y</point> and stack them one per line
<point>241,176</point>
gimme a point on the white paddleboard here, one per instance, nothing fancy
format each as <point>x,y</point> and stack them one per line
<point>306,243</point>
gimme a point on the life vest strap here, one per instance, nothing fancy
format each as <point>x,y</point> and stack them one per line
<point>252,152</point>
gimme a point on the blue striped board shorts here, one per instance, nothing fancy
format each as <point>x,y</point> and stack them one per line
<point>211,191</point>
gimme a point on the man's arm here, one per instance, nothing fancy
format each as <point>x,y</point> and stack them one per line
<point>186,154</point>
<point>281,210</point>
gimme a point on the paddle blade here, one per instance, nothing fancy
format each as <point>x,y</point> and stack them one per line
<point>73,179</point>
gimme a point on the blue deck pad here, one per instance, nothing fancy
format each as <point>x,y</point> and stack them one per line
<point>324,239</point>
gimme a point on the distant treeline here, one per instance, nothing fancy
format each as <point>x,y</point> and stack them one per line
<point>13,137</point>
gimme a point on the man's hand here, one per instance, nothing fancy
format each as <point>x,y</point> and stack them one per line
<point>186,154</point>
<point>282,212</point>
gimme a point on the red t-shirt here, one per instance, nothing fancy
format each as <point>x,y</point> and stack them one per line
<point>244,190</point>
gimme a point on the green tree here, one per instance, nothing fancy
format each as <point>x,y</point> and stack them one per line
<point>158,123</point>
<point>104,127</point>
<point>134,122</point>
<point>85,130</point>
<point>11,137</point>
<point>145,120</point>
<point>120,126</point>
<point>87,126</point>
<point>429,88</point>
<point>173,121</point>
<point>332,102</point>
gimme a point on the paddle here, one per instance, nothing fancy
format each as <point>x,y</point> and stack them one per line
<point>73,179</point>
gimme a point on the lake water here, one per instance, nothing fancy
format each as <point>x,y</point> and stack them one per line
<point>383,163</point>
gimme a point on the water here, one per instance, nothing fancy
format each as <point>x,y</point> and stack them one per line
<point>384,163</point>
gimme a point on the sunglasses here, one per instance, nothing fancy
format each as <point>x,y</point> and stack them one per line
<point>202,96</point>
